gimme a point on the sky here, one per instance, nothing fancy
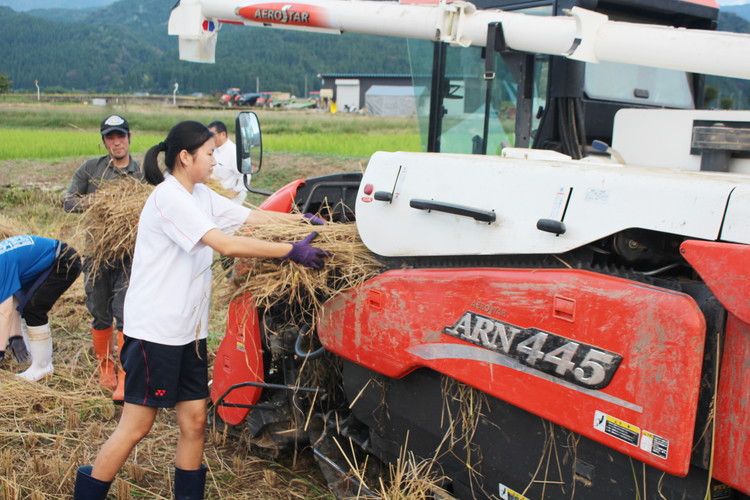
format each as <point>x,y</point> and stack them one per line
<point>733,2</point>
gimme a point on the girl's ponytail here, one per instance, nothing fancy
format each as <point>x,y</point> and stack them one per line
<point>187,135</point>
<point>151,171</point>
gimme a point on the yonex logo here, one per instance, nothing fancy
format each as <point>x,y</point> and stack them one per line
<point>160,392</point>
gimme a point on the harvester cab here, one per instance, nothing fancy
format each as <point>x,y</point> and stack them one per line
<point>568,316</point>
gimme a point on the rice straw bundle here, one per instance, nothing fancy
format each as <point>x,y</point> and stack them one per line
<point>110,223</point>
<point>214,185</point>
<point>273,281</point>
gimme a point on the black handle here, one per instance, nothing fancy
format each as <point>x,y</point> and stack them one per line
<point>383,196</point>
<point>439,206</point>
<point>551,226</point>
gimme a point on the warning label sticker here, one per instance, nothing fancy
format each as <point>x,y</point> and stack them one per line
<point>721,491</point>
<point>617,428</point>
<point>508,494</point>
<point>654,444</point>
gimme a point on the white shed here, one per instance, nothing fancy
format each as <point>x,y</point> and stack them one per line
<point>347,94</point>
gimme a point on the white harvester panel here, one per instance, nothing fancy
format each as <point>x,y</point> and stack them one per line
<point>421,204</point>
<point>663,137</point>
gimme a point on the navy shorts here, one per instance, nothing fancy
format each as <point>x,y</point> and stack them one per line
<point>161,375</point>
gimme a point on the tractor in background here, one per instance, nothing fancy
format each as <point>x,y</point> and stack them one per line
<point>230,97</point>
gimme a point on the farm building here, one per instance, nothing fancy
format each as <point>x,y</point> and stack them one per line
<point>350,89</point>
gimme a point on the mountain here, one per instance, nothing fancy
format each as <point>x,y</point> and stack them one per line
<point>23,5</point>
<point>65,55</point>
<point>62,15</point>
<point>125,47</point>
<point>742,11</point>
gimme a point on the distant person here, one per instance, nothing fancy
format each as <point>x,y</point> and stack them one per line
<point>225,170</point>
<point>167,306</point>
<point>105,289</point>
<point>34,273</point>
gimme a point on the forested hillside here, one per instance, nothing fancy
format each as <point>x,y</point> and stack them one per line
<point>125,47</point>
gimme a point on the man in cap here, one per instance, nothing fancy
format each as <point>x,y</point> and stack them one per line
<point>105,289</point>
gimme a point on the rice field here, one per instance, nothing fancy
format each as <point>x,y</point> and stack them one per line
<point>45,132</point>
<point>17,144</point>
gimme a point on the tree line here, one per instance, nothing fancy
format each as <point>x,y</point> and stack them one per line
<point>124,47</point>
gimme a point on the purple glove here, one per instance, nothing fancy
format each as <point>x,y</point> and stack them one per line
<point>315,220</point>
<point>303,253</point>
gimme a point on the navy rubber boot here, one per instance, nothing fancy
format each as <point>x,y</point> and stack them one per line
<point>189,484</point>
<point>89,488</point>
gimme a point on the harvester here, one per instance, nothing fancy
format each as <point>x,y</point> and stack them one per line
<point>563,310</point>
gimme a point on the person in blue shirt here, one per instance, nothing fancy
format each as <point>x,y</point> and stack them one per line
<point>34,273</point>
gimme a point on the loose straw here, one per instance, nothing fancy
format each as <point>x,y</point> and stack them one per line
<point>110,223</point>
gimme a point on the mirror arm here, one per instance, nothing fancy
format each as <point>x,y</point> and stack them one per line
<point>254,190</point>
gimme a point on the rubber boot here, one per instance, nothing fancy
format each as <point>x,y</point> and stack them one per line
<point>89,488</point>
<point>189,484</point>
<point>40,346</point>
<point>119,395</point>
<point>103,345</point>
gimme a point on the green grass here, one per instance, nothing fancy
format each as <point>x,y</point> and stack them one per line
<point>16,144</point>
<point>60,131</point>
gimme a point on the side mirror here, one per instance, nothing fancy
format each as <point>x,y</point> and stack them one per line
<point>249,143</point>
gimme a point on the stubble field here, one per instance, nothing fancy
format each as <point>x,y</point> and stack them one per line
<point>49,428</point>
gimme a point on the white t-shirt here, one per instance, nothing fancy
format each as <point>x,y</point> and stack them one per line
<point>168,299</point>
<point>225,170</point>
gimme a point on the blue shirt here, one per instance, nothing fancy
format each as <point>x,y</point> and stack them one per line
<point>22,260</point>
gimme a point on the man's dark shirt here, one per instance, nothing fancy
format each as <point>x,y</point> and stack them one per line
<point>91,173</point>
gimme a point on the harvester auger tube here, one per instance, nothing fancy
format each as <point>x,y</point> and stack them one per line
<point>583,35</point>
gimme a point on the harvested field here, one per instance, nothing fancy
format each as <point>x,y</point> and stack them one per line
<point>49,428</point>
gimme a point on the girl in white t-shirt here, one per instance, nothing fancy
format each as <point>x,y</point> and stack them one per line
<point>167,304</point>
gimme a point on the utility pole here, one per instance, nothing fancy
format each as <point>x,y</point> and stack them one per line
<point>38,93</point>
<point>257,85</point>
<point>174,94</point>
